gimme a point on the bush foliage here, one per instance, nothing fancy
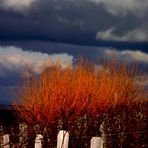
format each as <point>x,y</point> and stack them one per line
<point>83,99</point>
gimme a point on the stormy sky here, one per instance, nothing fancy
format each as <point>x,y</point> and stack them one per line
<point>34,33</point>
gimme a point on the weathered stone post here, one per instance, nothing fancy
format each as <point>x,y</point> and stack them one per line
<point>6,141</point>
<point>96,142</point>
<point>62,139</point>
<point>22,134</point>
<point>38,141</point>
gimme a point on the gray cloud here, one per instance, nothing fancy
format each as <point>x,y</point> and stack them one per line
<point>16,5</point>
<point>136,34</point>
<point>123,7</point>
<point>128,55</point>
<point>15,60</point>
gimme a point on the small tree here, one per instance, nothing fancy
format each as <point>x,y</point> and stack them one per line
<point>79,99</point>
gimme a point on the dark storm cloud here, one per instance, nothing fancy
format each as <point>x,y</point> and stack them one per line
<point>79,21</point>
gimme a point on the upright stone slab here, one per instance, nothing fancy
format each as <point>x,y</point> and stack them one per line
<point>103,134</point>
<point>22,135</point>
<point>62,139</point>
<point>96,142</point>
<point>38,141</point>
<point>6,141</point>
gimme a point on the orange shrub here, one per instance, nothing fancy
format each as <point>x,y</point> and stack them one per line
<point>85,89</point>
